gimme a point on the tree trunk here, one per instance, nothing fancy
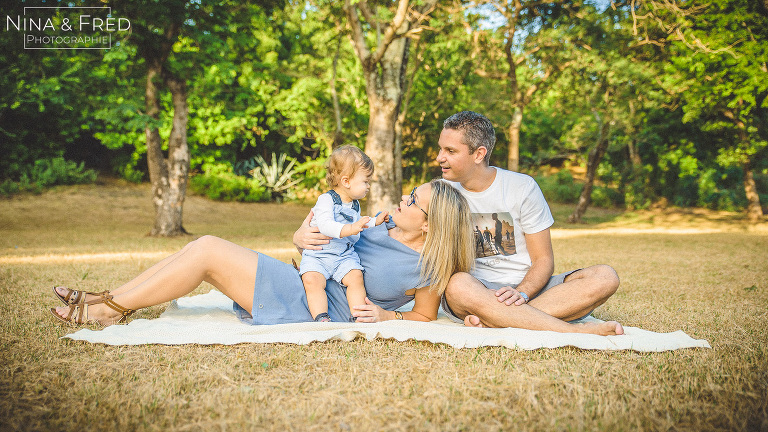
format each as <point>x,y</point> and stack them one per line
<point>178,162</point>
<point>754,209</point>
<point>592,163</point>
<point>384,85</point>
<point>513,157</point>
<point>384,69</point>
<point>407,91</point>
<point>168,176</point>
<point>338,136</point>
<point>634,155</point>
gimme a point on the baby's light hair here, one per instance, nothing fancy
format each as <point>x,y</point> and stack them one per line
<point>345,161</point>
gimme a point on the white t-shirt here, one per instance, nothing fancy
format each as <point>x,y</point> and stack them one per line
<point>502,214</point>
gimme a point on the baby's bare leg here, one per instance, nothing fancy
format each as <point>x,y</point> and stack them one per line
<point>314,286</point>
<point>355,288</point>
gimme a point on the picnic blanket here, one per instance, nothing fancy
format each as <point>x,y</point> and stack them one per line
<point>208,319</point>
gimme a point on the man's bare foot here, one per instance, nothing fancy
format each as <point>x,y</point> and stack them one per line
<point>472,321</point>
<point>608,328</point>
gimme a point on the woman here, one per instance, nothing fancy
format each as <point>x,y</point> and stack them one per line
<point>410,259</point>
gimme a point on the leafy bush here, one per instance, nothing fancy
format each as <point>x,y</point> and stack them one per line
<point>48,172</point>
<point>56,171</point>
<point>560,187</point>
<point>218,182</point>
<point>606,197</point>
<point>130,173</point>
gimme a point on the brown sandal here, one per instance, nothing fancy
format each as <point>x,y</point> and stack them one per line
<point>74,296</point>
<point>78,312</point>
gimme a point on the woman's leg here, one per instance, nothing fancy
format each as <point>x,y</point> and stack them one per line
<point>225,265</point>
<point>478,306</point>
<point>146,274</point>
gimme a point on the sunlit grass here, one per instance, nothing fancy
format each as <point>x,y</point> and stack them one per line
<point>702,272</point>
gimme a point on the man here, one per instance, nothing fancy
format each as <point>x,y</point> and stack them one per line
<point>502,288</point>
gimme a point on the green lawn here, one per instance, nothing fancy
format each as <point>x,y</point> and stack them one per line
<point>701,272</point>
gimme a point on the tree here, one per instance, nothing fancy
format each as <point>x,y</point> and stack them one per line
<point>382,45</point>
<point>173,43</point>
<point>610,77</point>
<point>532,46</point>
<point>719,72</point>
<point>41,100</point>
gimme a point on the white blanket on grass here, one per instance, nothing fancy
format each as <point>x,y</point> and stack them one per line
<point>208,319</point>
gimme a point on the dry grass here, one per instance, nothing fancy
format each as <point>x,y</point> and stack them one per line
<point>703,273</point>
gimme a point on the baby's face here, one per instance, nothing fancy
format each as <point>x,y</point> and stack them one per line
<point>359,184</point>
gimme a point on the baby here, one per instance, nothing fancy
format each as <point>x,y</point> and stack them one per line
<point>337,215</point>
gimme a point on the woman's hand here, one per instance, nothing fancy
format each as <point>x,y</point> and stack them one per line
<point>370,313</point>
<point>509,295</point>
<point>307,237</point>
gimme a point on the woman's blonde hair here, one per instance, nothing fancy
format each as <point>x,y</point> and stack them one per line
<point>345,161</point>
<point>449,246</point>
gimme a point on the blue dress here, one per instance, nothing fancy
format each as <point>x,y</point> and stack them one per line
<point>391,269</point>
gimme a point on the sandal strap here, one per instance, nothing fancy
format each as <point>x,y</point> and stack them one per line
<point>80,309</point>
<point>106,298</point>
<point>75,296</point>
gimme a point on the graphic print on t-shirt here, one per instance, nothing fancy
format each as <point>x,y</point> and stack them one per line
<point>494,234</point>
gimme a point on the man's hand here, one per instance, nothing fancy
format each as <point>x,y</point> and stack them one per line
<point>509,296</point>
<point>354,228</point>
<point>307,237</point>
<point>381,217</point>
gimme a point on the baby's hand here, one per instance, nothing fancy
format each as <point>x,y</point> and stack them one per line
<point>355,228</point>
<point>382,217</point>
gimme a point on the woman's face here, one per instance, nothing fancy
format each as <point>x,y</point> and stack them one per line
<point>414,216</point>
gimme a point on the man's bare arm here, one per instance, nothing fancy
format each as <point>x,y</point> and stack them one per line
<point>542,263</point>
<point>307,237</point>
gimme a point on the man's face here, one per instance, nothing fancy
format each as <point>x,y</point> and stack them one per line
<point>454,158</point>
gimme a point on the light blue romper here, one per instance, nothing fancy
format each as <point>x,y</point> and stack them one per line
<point>338,257</point>
<point>391,269</point>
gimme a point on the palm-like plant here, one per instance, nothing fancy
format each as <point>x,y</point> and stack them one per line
<point>277,177</point>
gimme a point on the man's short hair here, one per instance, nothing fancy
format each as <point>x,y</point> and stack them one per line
<point>478,131</point>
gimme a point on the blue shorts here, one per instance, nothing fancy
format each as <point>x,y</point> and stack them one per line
<point>331,264</point>
<point>553,282</point>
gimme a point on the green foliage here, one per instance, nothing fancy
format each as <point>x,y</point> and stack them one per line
<point>637,195</point>
<point>218,182</point>
<point>276,177</point>
<point>560,187</point>
<point>606,197</point>
<point>48,172</point>
<point>259,77</point>
<point>57,171</point>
